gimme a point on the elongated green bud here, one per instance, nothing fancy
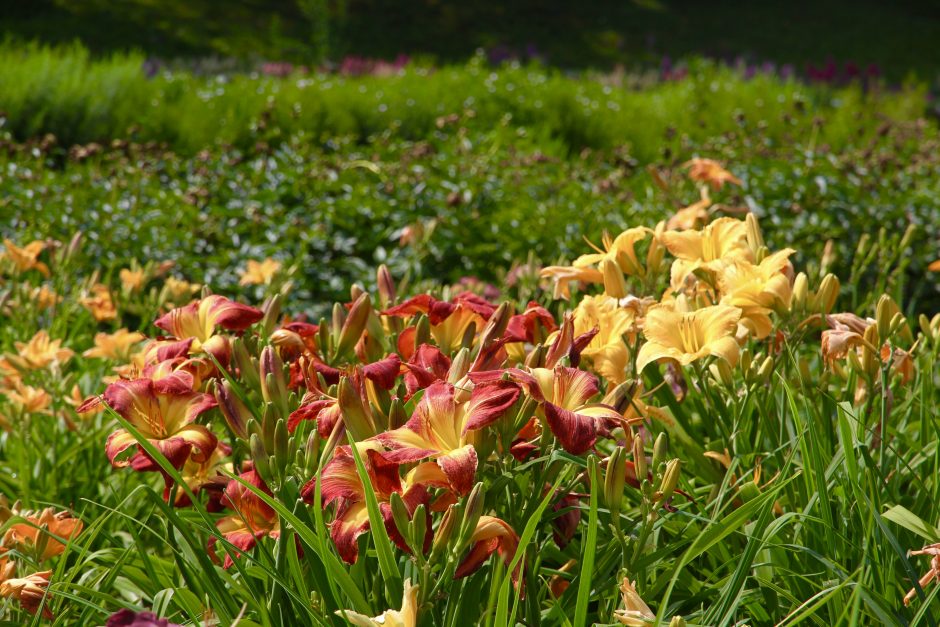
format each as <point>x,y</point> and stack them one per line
<point>386,286</point>
<point>660,450</point>
<point>272,311</point>
<point>828,293</point>
<point>247,366</point>
<point>468,335</point>
<point>281,442</point>
<point>459,366</point>
<point>236,413</point>
<point>355,416</point>
<point>400,515</point>
<point>418,529</point>
<point>800,293</point>
<point>260,458</point>
<point>472,512</point>
<point>442,536</point>
<point>670,479</point>
<point>639,458</point>
<point>614,480</point>
<point>422,331</point>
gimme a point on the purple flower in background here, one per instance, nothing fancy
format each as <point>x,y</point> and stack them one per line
<point>130,618</point>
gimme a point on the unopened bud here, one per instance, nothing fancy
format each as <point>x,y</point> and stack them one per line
<point>400,515</point>
<point>828,293</point>
<point>883,314</point>
<point>660,450</point>
<point>353,326</point>
<point>260,458</point>
<point>235,412</point>
<point>288,343</point>
<point>654,256</point>
<point>755,239</point>
<point>357,420</point>
<point>397,416</point>
<point>386,285</point>
<point>621,396</point>
<point>677,621</point>
<point>721,371</point>
<point>639,459</point>
<point>766,369</point>
<point>247,366</point>
<point>272,311</point>
<point>273,383</point>
<point>536,357</point>
<point>445,529</point>
<point>614,283</point>
<point>418,529</point>
<point>281,441</point>
<point>800,291</point>
<point>472,513</point>
<point>468,335</point>
<point>614,480</point>
<point>422,331</point>
<point>355,291</point>
<point>459,366</point>
<point>670,479</point>
<point>496,325</point>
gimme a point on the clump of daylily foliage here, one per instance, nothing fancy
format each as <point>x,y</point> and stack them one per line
<point>447,459</point>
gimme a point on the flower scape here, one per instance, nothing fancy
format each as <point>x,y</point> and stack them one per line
<point>682,426</point>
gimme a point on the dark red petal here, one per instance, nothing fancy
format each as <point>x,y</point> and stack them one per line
<point>576,433</point>
<point>384,373</point>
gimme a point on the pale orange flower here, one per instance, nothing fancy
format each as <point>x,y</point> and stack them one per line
<point>27,257</point>
<point>260,272</point>
<point>693,216</point>
<point>99,303</point>
<point>42,534</point>
<point>635,611</point>
<point>689,336</point>
<point>132,279</point>
<point>117,345</point>
<point>39,352</point>
<point>711,172</point>
<point>406,617</point>
<point>29,591</point>
<point>44,298</point>
<point>29,399</point>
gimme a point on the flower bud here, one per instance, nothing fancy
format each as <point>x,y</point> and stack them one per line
<point>640,468</point>
<point>397,416</point>
<point>355,291</point>
<point>536,357</point>
<point>355,417</point>
<point>614,283</point>
<point>677,621</point>
<point>798,300</point>
<point>870,357</point>
<point>670,479</point>
<point>766,369</point>
<point>907,237</point>
<point>472,512</point>
<point>400,516</point>
<point>496,325</point>
<point>236,413</point>
<point>755,239</point>
<point>418,529</point>
<point>273,383</point>
<point>272,311</point>
<point>883,314</point>
<point>386,285</point>
<point>828,293</point>
<point>621,396</point>
<point>468,336</point>
<point>260,458</point>
<point>924,323</point>
<point>247,366</point>
<point>459,366</point>
<point>281,442</point>
<point>614,480</point>
<point>422,331</point>
<point>288,343</point>
<point>660,450</point>
<point>654,256</point>
<point>445,529</point>
<point>721,371</point>
<point>353,326</point>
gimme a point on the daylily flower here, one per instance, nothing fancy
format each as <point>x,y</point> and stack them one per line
<point>563,275</point>
<point>693,216</point>
<point>689,336</point>
<point>199,321</point>
<point>406,617</point>
<point>340,483</point>
<point>29,591</point>
<point>163,411</point>
<point>933,551</point>
<point>132,280</point>
<point>490,535</point>
<point>711,172</point>
<point>847,331</point>
<point>41,534</point>
<point>29,399</point>
<point>115,345</point>
<point>607,350</point>
<point>934,266</point>
<point>99,303</point>
<point>178,289</point>
<point>39,352</point>
<point>252,519</point>
<point>710,249</point>
<point>260,273</point>
<point>27,257</point>
<point>445,427</point>
<point>427,365</point>
<point>209,476</point>
<point>757,290</point>
<point>563,394</point>
<point>620,250</point>
<point>449,320</point>
<point>635,612</point>
<point>44,298</point>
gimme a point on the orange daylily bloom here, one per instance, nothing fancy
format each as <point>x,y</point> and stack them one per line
<point>132,280</point>
<point>260,272</point>
<point>178,289</point>
<point>99,303</point>
<point>163,411</point>
<point>406,617</point>
<point>39,352</point>
<point>115,345</point>
<point>29,399</point>
<point>44,298</point>
<point>27,257</point>
<point>932,574</point>
<point>689,336</point>
<point>693,216</point>
<point>445,427</point>
<point>710,171</point>
<point>29,591</point>
<point>209,475</point>
<point>934,266</point>
<point>621,250</point>
<point>41,534</point>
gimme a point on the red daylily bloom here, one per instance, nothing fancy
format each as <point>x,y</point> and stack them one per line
<point>199,321</point>
<point>163,411</point>
<point>449,320</point>
<point>340,483</point>
<point>427,365</point>
<point>444,427</point>
<point>491,535</point>
<point>532,325</point>
<point>252,519</point>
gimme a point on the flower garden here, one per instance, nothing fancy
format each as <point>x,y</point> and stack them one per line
<point>564,382</point>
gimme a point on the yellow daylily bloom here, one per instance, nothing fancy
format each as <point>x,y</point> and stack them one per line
<point>607,350</point>
<point>563,275</point>
<point>99,303</point>
<point>27,257</point>
<point>689,336</point>
<point>713,247</point>
<point>115,345</point>
<point>39,352</point>
<point>178,289</point>
<point>43,297</point>
<point>621,249</point>
<point>29,399</point>
<point>407,616</point>
<point>757,290</point>
<point>260,272</point>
